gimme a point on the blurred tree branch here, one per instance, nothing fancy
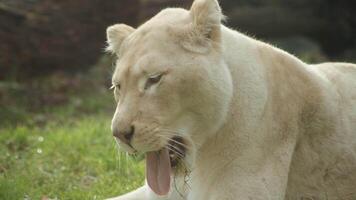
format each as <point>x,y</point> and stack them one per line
<point>7,10</point>
<point>39,37</point>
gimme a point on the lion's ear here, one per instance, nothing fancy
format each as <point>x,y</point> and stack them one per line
<point>205,28</point>
<point>116,34</point>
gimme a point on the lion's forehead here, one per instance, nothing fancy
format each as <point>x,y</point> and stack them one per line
<point>147,40</point>
<point>155,33</point>
<point>150,47</point>
<point>148,55</point>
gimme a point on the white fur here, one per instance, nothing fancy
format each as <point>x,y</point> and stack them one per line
<point>261,123</point>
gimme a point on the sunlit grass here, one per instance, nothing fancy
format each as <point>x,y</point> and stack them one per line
<point>78,160</point>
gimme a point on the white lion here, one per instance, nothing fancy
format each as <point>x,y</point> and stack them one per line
<point>221,116</point>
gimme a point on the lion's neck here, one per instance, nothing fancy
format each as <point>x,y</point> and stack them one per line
<point>262,83</point>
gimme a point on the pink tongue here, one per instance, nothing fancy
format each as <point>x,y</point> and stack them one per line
<point>158,171</point>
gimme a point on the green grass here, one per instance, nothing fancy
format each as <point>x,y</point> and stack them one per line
<point>63,151</point>
<point>78,160</point>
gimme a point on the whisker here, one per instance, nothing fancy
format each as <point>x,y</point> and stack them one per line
<point>182,162</point>
<point>170,147</point>
<point>118,155</point>
<point>118,159</point>
<point>180,156</point>
<point>172,131</point>
<point>127,163</point>
<point>170,139</point>
<point>180,143</point>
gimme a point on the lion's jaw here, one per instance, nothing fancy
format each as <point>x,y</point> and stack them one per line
<point>192,98</point>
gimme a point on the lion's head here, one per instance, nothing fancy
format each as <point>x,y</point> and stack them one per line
<point>171,85</point>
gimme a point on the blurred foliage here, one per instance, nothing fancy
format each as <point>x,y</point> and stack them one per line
<point>42,36</point>
<point>38,101</point>
<point>39,37</point>
<point>330,23</point>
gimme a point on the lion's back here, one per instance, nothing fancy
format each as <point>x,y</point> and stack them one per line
<point>342,76</point>
<point>329,154</point>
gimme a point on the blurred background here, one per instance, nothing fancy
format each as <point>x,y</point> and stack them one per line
<point>55,106</point>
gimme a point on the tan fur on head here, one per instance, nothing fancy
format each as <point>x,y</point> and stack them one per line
<point>172,104</point>
<point>116,34</point>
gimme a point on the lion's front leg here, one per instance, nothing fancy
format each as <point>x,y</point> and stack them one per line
<point>142,193</point>
<point>178,192</point>
<point>138,194</point>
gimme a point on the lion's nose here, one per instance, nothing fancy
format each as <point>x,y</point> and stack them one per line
<point>124,135</point>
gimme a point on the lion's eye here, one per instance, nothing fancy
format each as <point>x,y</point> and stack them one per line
<point>153,80</point>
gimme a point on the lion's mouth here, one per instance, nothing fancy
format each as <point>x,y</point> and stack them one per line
<point>176,150</point>
<point>161,164</point>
